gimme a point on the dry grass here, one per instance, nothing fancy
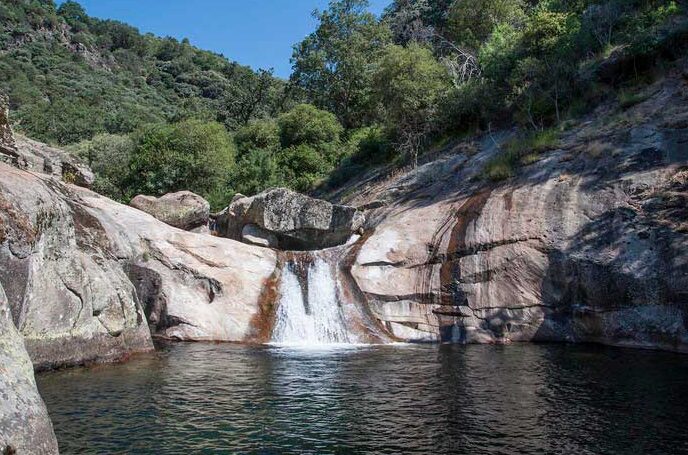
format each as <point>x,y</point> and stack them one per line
<point>597,149</point>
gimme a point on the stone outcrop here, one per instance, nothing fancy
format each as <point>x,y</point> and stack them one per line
<point>24,423</point>
<point>8,147</point>
<point>183,209</point>
<point>39,157</point>
<point>589,244</point>
<point>294,220</point>
<point>70,298</point>
<point>28,154</point>
<point>86,276</point>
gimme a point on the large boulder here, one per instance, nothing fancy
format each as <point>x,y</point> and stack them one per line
<point>183,209</point>
<point>90,279</point>
<point>25,426</point>
<point>70,298</point>
<point>294,220</point>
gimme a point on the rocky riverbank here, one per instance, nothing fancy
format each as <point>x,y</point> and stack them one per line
<point>587,243</point>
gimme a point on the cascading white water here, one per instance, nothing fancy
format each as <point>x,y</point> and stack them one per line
<point>319,319</point>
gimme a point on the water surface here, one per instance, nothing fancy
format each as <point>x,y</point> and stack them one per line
<point>524,398</point>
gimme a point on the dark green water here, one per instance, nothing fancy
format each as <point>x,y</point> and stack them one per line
<point>525,398</point>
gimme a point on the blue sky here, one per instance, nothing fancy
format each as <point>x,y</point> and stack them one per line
<point>258,33</point>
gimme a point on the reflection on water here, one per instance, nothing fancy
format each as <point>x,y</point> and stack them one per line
<point>220,398</point>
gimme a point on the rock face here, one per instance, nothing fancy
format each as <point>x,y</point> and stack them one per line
<point>39,157</point>
<point>589,244</point>
<point>183,209</point>
<point>294,220</point>
<point>69,296</point>
<point>8,147</point>
<point>86,276</point>
<point>24,423</point>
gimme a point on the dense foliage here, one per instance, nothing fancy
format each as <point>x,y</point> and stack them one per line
<point>154,114</point>
<point>70,77</point>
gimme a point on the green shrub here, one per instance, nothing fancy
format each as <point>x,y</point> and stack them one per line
<point>518,152</point>
<point>189,155</point>
<point>261,134</point>
<point>537,142</point>
<point>306,124</point>
<point>255,171</point>
<point>629,99</point>
<point>108,155</point>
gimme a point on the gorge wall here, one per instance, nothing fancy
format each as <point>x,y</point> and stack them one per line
<point>587,244</point>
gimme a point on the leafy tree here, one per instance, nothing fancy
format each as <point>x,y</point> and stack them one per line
<point>74,14</point>
<point>471,22</point>
<point>409,83</point>
<point>302,166</point>
<point>306,124</point>
<point>551,38</point>
<point>189,155</point>
<point>255,171</point>
<point>108,155</point>
<point>417,20</point>
<point>298,150</point>
<point>258,135</point>
<point>333,65</point>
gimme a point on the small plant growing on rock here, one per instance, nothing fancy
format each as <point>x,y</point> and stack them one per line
<point>597,149</point>
<point>630,99</point>
<point>520,152</point>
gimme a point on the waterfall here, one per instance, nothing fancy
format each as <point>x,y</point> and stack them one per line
<point>309,311</point>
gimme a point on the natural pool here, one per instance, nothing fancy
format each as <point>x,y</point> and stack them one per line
<point>522,398</point>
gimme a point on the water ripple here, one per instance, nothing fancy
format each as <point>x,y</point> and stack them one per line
<point>220,398</point>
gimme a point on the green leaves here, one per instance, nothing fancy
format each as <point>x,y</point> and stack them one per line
<point>334,64</point>
<point>306,124</point>
<point>89,76</point>
<point>191,155</point>
<point>297,150</point>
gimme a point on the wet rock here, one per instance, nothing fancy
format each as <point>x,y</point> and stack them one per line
<point>298,222</point>
<point>183,209</point>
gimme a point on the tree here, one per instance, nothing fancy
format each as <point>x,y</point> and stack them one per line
<point>302,166</point>
<point>306,124</point>
<point>74,14</point>
<point>417,20</point>
<point>333,65</point>
<point>258,134</point>
<point>550,40</point>
<point>409,83</point>
<point>471,22</point>
<point>108,155</point>
<point>189,155</point>
<point>251,95</point>
<point>255,171</point>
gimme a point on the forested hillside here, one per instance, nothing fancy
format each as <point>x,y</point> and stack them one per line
<point>153,115</point>
<point>70,76</point>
